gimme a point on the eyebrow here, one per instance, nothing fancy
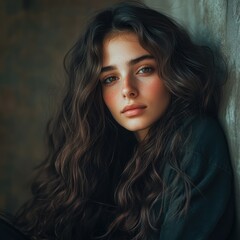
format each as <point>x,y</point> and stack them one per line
<point>131,62</point>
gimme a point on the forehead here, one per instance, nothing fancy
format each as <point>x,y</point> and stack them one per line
<point>122,45</point>
<point>118,38</point>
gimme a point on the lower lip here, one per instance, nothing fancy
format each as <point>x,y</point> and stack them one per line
<point>134,112</point>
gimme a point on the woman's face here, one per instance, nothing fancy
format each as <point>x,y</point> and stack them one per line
<point>132,89</point>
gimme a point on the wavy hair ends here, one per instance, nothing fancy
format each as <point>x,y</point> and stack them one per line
<point>84,138</point>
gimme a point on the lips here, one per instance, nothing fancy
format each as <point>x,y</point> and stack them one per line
<point>133,110</point>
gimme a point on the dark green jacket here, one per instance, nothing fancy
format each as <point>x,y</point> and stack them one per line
<point>208,167</point>
<point>211,212</point>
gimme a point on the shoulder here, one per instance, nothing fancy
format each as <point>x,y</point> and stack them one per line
<point>206,143</point>
<point>205,164</point>
<point>205,134</point>
<point>204,129</point>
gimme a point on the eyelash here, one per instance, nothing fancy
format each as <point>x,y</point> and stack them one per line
<point>149,70</point>
<point>114,78</point>
<point>104,81</point>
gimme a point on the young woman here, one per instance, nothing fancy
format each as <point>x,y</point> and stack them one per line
<point>136,151</point>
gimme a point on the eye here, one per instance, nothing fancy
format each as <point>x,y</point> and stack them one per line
<point>145,70</point>
<point>108,80</point>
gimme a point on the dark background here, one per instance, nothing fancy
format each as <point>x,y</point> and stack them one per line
<point>34,37</point>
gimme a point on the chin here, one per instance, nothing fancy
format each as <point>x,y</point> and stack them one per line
<point>137,128</point>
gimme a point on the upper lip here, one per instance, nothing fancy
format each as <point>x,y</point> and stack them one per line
<point>132,106</point>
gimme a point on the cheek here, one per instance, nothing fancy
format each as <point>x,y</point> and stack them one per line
<point>158,90</point>
<point>160,95</point>
<point>110,100</point>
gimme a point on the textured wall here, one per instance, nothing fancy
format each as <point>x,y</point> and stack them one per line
<point>35,35</point>
<point>217,23</point>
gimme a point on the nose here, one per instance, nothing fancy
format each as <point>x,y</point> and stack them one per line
<point>129,89</point>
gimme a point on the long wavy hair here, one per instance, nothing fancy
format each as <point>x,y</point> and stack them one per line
<point>73,185</point>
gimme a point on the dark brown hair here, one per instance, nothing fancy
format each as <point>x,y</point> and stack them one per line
<point>85,143</point>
